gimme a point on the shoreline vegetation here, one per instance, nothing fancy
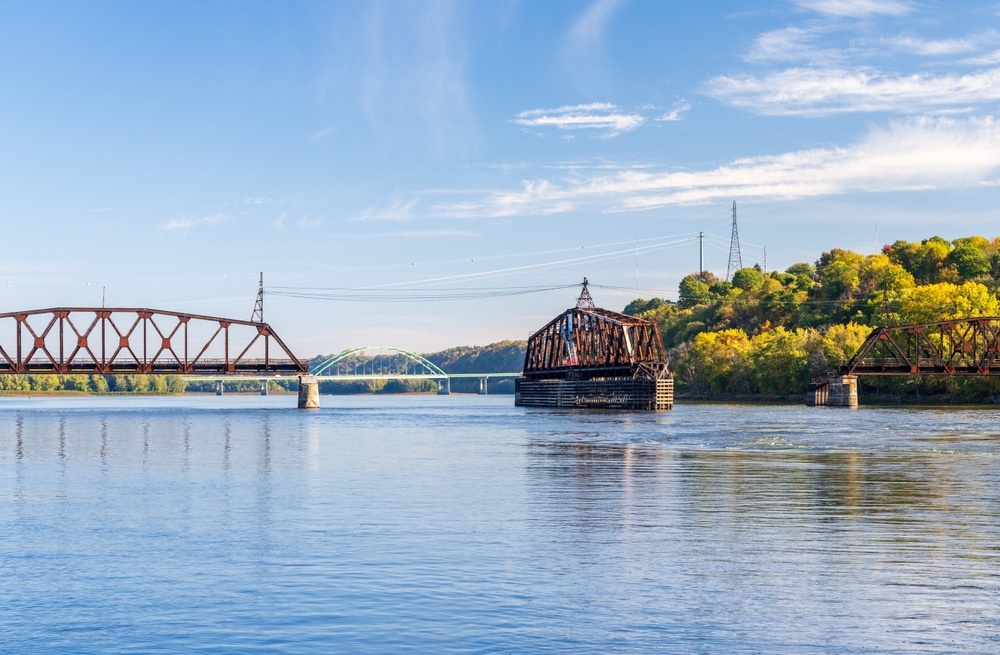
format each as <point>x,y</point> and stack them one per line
<point>768,334</point>
<point>760,336</point>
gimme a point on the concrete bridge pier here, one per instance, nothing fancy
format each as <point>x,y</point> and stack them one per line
<point>308,392</point>
<point>835,391</point>
<point>444,387</point>
<point>263,387</point>
<point>218,388</point>
<point>484,386</point>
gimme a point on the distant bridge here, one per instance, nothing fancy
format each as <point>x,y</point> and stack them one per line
<point>105,340</point>
<point>969,346</point>
<point>390,363</point>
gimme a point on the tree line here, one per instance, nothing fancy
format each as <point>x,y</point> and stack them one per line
<point>771,333</point>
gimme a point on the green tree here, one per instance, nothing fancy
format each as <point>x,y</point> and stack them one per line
<point>693,292</point>
<point>748,279</point>
<point>971,257</point>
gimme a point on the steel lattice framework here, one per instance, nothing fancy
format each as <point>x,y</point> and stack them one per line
<point>959,347</point>
<point>585,343</point>
<point>103,340</point>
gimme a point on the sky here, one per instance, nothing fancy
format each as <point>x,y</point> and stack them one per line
<point>431,174</point>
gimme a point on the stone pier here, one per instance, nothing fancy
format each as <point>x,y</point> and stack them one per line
<point>308,392</point>
<point>835,391</point>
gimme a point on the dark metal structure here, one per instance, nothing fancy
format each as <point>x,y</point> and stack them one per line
<point>959,347</point>
<point>103,340</point>
<point>586,343</point>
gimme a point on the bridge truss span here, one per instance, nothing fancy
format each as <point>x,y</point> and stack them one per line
<point>72,340</point>
<point>969,346</point>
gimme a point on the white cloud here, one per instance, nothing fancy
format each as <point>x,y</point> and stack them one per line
<point>189,223</point>
<point>676,113</point>
<point>939,47</point>
<point>855,8</point>
<point>808,92</point>
<point>989,59</point>
<point>921,153</point>
<point>596,116</point>
<point>789,44</point>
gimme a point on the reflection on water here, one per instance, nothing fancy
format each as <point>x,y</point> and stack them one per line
<point>456,523</point>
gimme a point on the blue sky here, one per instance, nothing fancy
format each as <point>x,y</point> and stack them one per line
<point>400,170</point>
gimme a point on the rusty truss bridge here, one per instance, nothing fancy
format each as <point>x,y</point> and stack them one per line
<point>82,340</point>
<point>968,346</point>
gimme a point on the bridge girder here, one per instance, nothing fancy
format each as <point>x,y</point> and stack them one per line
<point>107,340</point>
<point>969,346</point>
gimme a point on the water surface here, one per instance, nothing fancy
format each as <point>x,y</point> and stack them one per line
<point>463,524</point>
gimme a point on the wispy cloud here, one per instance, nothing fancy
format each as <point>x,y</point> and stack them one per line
<point>790,44</point>
<point>587,32</point>
<point>915,154</point>
<point>601,117</point>
<point>191,223</point>
<point>810,92</point>
<point>939,47</point>
<point>676,113</point>
<point>420,234</point>
<point>989,59</point>
<point>395,210</point>
<point>855,8</point>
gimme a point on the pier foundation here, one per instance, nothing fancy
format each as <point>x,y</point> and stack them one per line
<point>444,387</point>
<point>308,392</point>
<point>835,391</point>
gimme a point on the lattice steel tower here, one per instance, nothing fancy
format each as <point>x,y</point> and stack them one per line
<point>735,259</point>
<point>258,307</point>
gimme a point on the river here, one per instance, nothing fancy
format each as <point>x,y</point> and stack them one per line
<point>378,524</point>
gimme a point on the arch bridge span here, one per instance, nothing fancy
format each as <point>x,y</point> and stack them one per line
<point>377,363</point>
<point>391,363</point>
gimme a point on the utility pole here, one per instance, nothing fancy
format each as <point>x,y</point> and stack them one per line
<point>735,259</point>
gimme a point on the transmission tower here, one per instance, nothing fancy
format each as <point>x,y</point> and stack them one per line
<point>735,259</point>
<point>258,307</point>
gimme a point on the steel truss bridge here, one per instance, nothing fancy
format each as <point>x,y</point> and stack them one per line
<point>105,340</point>
<point>968,346</point>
